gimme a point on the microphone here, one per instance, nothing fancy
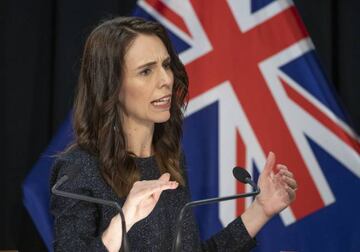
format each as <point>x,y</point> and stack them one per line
<point>241,175</point>
<point>72,173</point>
<point>244,177</point>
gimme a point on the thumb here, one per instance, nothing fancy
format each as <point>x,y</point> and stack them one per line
<point>269,165</point>
<point>165,177</point>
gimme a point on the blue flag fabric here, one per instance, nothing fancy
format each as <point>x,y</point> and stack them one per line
<point>36,193</point>
<point>255,86</point>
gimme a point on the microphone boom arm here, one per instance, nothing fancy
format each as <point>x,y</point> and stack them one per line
<point>205,202</point>
<point>63,179</point>
<point>70,195</point>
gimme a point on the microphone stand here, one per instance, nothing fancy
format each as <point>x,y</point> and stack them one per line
<point>177,243</point>
<point>110,203</point>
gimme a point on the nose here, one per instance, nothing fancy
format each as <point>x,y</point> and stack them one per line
<point>166,78</point>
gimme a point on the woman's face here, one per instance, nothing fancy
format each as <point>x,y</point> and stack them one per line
<point>147,82</point>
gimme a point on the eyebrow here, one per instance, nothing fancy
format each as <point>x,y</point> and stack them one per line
<point>151,63</point>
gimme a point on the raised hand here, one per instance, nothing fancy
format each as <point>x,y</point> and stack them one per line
<point>143,197</point>
<point>141,200</point>
<point>277,189</point>
<point>277,192</point>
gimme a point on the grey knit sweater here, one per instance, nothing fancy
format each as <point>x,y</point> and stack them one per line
<point>79,225</point>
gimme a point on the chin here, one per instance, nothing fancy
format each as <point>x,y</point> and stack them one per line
<point>162,118</point>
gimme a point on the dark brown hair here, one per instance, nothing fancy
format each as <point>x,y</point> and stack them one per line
<point>97,110</point>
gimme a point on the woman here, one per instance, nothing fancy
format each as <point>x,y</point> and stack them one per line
<point>127,120</point>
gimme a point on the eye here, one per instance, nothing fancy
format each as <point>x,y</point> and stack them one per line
<point>167,65</point>
<point>145,72</point>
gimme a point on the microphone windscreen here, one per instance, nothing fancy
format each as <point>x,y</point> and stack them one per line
<point>241,174</point>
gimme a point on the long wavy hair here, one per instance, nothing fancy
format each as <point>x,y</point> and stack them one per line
<point>97,109</point>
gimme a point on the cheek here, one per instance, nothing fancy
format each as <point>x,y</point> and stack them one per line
<point>172,78</point>
<point>135,98</point>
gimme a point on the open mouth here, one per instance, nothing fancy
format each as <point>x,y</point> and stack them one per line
<point>162,102</point>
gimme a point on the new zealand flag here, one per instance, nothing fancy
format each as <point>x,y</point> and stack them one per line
<point>255,86</point>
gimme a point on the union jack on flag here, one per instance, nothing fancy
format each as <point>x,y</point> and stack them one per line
<point>255,86</point>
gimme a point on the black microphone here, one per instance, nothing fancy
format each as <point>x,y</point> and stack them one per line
<point>241,175</point>
<point>72,173</point>
<point>244,177</point>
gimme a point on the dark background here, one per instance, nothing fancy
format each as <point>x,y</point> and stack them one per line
<point>40,48</point>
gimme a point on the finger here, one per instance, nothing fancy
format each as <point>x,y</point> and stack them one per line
<point>279,182</point>
<point>172,184</point>
<point>286,173</point>
<point>270,162</point>
<point>143,184</point>
<point>291,194</point>
<point>290,182</point>
<point>145,188</point>
<point>165,177</point>
<point>281,167</point>
<point>159,186</point>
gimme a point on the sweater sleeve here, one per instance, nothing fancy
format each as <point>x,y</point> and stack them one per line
<point>234,237</point>
<point>75,222</point>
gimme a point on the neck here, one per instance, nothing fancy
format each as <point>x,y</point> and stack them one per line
<point>139,138</point>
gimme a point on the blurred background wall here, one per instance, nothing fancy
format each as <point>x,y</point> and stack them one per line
<point>40,49</point>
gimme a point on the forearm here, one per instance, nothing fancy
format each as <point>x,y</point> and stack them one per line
<point>112,236</point>
<point>254,218</point>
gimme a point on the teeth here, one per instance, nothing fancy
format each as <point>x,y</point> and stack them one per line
<point>161,101</point>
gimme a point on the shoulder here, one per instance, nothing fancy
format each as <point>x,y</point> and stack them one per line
<point>85,178</point>
<point>82,166</point>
